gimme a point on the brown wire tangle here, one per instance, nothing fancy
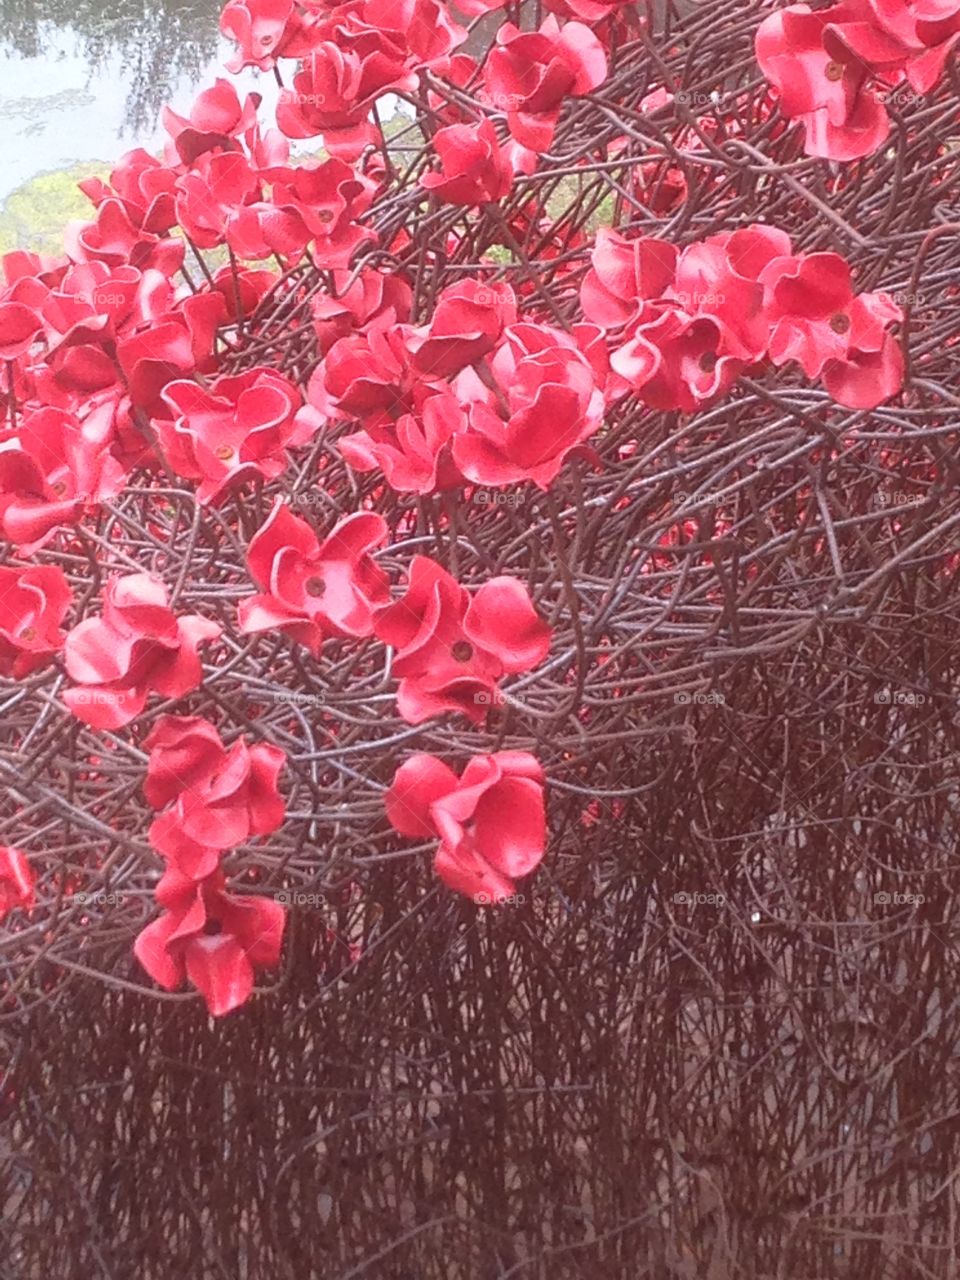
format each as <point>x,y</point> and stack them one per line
<point>717,1036</point>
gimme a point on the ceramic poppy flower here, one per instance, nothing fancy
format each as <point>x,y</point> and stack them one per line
<point>808,299</point>
<point>216,120</point>
<point>116,239</point>
<point>244,289</point>
<point>474,169</point>
<point>322,203</point>
<point>20,325</point>
<point>176,343</point>
<point>216,940</point>
<point>333,93</point>
<point>540,402</point>
<point>213,797</point>
<point>312,590</point>
<point>137,647</point>
<point>145,187</point>
<point>414,453</point>
<point>816,319</point>
<point>16,881</point>
<point>815,61</point>
<point>214,200</point>
<point>623,274</point>
<point>676,361</point>
<point>467,322</point>
<point>33,604</point>
<point>453,648</point>
<point>530,74</point>
<point>61,466</point>
<point>490,822</point>
<point>368,375</point>
<point>721,277</point>
<point>234,432</point>
<point>360,299</point>
<point>925,30</point>
<point>260,29</point>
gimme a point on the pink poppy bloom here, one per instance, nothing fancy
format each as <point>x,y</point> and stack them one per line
<point>623,274</point>
<point>816,62</point>
<point>530,74</point>
<point>236,431</point>
<point>260,29</point>
<point>720,277</point>
<point>675,360</point>
<point>474,170</point>
<point>212,797</point>
<point>467,322</point>
<point>360,299</point>
<point>145,188</point>
<point>312,590</point>
<point>33,603</point>
<point>61,467</point>
<point>216,940</point>
<point>543,404</point>
<point>216,120</point>
<point>453,648</point>
<point>490,822</point>
<point>178,342</point>
<point>414,452</point>
<point>137,647</point>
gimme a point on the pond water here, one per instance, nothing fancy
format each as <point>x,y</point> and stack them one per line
<point>82,81</point>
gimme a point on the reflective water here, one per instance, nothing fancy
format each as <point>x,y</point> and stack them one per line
<point>83,80</point>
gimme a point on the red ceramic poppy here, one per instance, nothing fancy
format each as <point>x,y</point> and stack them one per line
<point>490,822</point>
<point>214,939</point>
<point>138,646</point>
<point>312,590</point>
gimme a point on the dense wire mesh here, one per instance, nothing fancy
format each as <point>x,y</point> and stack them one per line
<point>717,1036</point>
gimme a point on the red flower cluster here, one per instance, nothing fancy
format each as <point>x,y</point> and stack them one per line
<point>117,368</point>
<point>689,324</point>
<point>827,63</point>
<point>490,822</point>
<point>212,798</point>
<point>474,395</point>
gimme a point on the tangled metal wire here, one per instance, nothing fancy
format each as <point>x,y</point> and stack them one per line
<point>718,1034</point>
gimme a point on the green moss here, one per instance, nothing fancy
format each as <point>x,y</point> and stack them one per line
<point>33,216</point>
